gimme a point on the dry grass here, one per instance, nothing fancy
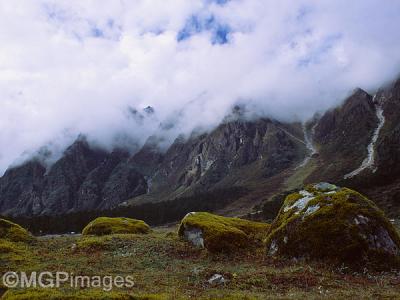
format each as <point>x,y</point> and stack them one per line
<point>169,268</point>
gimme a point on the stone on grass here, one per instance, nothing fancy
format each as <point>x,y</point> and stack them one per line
<point>217,279</point>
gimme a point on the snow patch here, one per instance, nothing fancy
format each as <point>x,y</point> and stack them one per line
<point>369,161</point>
<point>149,181</point>
<point>308,138</point>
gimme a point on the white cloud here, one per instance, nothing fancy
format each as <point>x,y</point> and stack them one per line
<point>70,67</point>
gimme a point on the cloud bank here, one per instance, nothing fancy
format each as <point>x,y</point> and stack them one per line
<point>72,66</point>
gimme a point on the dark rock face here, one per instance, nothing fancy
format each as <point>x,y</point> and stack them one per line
<point>344,134</point>
<point>383,182</point>
<point>20,188</point>
<point>61,184</point>
<point>203,162</point>
<point>123,184</point>
<point>83,179</point>
<point>88,179</point>
<point>109,184</point>
<point>388,145</point>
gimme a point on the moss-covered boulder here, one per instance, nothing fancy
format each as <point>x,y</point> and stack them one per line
<point>220,234</point>
<point>340,225</point>
<point>104,225</point>
<point>15,243</point>
<point>13,232</point>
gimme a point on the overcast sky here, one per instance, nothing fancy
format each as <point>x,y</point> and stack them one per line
<point>70,67</point>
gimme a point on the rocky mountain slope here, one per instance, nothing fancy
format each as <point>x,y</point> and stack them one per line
<point>355,144</point>
<point>359,146</point>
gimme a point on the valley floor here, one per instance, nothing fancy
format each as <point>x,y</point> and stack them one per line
<point>166,267</point>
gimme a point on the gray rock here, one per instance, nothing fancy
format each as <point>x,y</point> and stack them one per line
<point>217,279</point>
<point>195,236</point>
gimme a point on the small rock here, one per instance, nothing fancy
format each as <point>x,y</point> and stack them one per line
<point>273,248</point>
<point>73,247</point>
<point>217,279</point>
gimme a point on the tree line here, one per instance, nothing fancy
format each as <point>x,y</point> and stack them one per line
<point>154,214</point>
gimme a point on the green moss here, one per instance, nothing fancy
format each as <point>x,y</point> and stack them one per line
<point>7,246</point>
<point>106,242</point>
<point>222,234</point>
<point>104,226</point>
<point>13,254</point>
<point>14,244</point>
<point>310,188</point>
<point>341,226</point>
<point>94,243</point>
<point>13,232</point>
<point>292,198</point>
<point>58,294</point>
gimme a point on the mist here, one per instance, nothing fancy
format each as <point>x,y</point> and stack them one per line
<point>82,67</point>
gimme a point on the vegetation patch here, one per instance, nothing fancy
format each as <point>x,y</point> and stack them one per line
<point>13,254</point>
<point>221,234</point>
<point>105,226</point>
<point>39,294</point>
<point>164,266</point>
<point>336,224</point>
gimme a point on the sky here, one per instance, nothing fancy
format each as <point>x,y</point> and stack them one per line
<point>70,67</point>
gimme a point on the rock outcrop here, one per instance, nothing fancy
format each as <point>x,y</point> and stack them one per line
<point>338,225</point>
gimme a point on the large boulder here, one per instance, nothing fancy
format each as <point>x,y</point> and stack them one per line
<point>220,234</point>
<point>104,226</point>
<point>13,232</point>
<point>339,225</point>
<point>14,245</point>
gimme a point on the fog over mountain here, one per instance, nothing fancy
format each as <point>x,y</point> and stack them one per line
<point>91,67</point>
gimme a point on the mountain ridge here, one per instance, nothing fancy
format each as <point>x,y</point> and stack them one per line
<point>263,155</point>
